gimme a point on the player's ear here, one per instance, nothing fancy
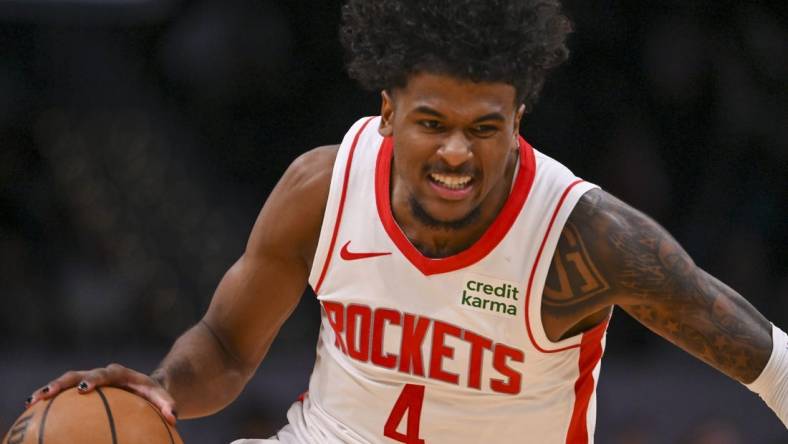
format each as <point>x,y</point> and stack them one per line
<point>518,116</point>
<point>386,128</point>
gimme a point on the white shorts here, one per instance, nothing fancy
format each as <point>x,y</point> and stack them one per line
<point>289,434</point>
<point>308,424</point>
<point>285,435</point>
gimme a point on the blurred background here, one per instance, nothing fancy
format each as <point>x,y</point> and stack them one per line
<point>139,138</point>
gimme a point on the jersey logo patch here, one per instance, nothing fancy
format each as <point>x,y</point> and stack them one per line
<point>490,295</point>
<point>348,255</point>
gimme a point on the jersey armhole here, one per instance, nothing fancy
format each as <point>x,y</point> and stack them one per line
<point>332,214</point>
<point>534,325</point>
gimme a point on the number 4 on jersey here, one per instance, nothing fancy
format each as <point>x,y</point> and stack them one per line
<point>410,401</point>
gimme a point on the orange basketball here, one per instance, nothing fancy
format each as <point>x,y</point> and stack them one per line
<point>106,415</point>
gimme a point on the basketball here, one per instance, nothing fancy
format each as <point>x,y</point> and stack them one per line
<point>106,415</point>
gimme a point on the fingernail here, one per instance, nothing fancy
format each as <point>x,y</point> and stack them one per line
<point>45,389</point>
<point>28,400</point>
<point>82,386</point>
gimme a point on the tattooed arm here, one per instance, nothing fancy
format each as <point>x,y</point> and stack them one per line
<point>611,254</point>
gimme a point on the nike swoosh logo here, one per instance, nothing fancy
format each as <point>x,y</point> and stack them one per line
<point>352,256</point>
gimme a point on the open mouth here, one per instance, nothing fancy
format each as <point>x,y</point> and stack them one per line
<point>452,187</point>
<point>452,182</point>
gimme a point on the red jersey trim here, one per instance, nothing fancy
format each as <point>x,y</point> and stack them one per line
<point>342,197</point>
<point>489,240</point>
<point>533,273</point>
<point>590,354</point>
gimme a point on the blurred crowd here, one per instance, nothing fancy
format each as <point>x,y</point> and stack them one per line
<point>139,139</point>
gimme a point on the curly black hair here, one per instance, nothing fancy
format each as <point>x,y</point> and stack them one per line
<point>511,41</point>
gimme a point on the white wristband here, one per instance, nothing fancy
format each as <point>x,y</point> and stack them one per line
<point>772,384</point>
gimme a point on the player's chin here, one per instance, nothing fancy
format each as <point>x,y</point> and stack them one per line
<point>451,214</point>
<point>448,215</point>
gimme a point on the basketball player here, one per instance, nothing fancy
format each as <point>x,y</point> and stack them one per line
<point>465,279</point>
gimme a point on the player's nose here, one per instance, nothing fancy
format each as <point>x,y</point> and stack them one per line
<point>456,149</point>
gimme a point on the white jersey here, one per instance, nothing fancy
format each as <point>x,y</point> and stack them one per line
<point>451,350</point>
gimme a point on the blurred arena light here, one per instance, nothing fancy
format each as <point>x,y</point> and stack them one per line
<point>87,12</point>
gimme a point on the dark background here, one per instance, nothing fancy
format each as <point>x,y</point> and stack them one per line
<point>138,140</point>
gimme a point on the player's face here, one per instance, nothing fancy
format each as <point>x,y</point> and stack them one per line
<point>453,141</point>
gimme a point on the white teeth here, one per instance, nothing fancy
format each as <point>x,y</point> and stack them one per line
<point>454,182</point>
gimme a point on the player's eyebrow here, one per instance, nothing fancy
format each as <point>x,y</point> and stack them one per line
<point>423,109</point>
<point>492,116</point>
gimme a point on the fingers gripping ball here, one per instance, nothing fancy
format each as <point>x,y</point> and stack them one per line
<point>106,415</point>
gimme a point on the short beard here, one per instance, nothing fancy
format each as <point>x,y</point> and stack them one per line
<point>425,218</point>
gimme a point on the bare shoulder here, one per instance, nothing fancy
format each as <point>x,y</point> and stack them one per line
<point>321,156</point>
<point>311,171</point>
<point>289,222</point>
<point>609,253</point>
<point>631,251</point>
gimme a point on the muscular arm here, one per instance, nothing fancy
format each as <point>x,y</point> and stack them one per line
<point>611,254</point>
<point>210,364</point>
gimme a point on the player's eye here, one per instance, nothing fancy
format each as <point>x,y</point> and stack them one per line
<point>430,124</point>
<point>484,130</point>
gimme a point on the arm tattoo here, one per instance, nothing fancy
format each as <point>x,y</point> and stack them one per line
<point>574,277</point>
<point>610,254</point>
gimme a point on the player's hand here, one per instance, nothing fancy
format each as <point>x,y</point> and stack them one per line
<point>112,375</point>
